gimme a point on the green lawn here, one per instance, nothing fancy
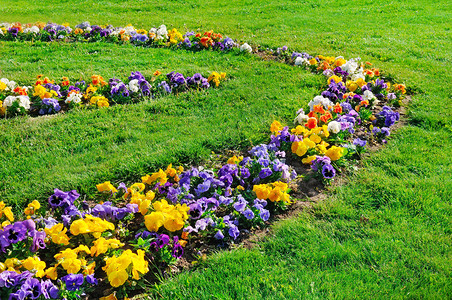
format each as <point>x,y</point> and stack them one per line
<point>403,251</point>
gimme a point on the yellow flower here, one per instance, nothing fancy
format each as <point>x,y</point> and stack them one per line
<point>360,82</point>
<point>276,127</point>
<point>6,211</point>
<point>309,159</point>
<point>299,148</point>
<point>101,245</point>
<point>334,153</point>
<point>90,224</point>
<point>154,221</point>
<point>233,160</point>
<point>35,265</point>
<point>106,187</point>
<point>117,277</point>
<point>58,234</point>
<point>312,61</point>
<point>2,86</point>
<point>215,78</point>
<point>335,78</point>
<point>139,265</point>
<point>352,86</point>
<point>51,273</point>
<point>174,221</point>
<point>109,297</point>
<point>262,191</point>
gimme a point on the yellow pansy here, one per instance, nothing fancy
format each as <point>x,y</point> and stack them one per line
<point>58,234</point>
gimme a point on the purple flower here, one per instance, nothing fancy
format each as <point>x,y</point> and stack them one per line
<point>73,281</point>
<point>359,142</point>
<point>38,241</point>
<point>328,171</point>
<point>14,233</point>
<point>240,205</point>
<point>233,231</point>
<point>248,213</point>
<point>59,198</point>
<point>219,235</point>
<point>91,279</point>
<point>264,214</point>
<point>49,290</point>
<point>178,251</point>
<point>9,279</point>
<point>385,131</point>
<point>196,211</point>
<point>265,172</point>
<point>163,240</point>
<point>32,287</point>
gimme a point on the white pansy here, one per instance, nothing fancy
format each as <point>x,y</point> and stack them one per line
<point>33,29</point>
<point>246,47</point>
<point>129,29</point>
<point>334,127</point>
<point>88,29</point>
<point>5,80</point>
<point>350,66</point>
<point>133,86</point>
<point>24,101</point>
<point>301,61</point>
<point>356,76</point>
<point>11,85</point>
<point>74,97</point>
<point>115,32</point>
<point>320,100</point>
<point>368,95</point>
<point>301,117</point>
<point>162,33</point>
<point>8,101</point>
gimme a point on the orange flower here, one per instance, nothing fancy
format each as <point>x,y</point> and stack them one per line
<point>376,72</point>
<point>338,108</point>
<point>312,123</point>
<point>319,109</point>
<point>364,103</point>
<point>157,73</point>
<point>312,114</point>
<point>20,91</point>
<point>206,41</point>
<point>324,118</point>
<point>78,31</point>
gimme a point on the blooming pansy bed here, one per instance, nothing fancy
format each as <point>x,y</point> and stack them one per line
<point>66,247</point>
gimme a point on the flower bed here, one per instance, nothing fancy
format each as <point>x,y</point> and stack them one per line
<point>129,234</point>
<point>48,97</point>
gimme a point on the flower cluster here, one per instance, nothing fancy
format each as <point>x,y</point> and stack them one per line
<point>345,117</point>
<point>49,97</point>
<point>85,32</point>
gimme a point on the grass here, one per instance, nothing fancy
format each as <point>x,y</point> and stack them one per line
<point>403,251</point>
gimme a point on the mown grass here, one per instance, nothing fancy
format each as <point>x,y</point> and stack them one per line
<point>81,148</point>
<point>330,251</point>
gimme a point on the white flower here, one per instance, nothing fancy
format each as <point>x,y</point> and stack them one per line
<point>5,81</point>
<point>11,85</point>
<point>368,95</point>
<point>33,29</point>
<point>320,100</point>
<point>133,86</point>
<point>357,75</point>
<point>334,126</point>
<point>350,66</point>
<point>246,47</point>
<point>301,61</point>
<point>24,101</point>
<point>115,32</point>
<point>162,33</point>
<point>88,29</point>
<point>301,118</point>
<point>129,30</point>
<point>8,101</point>
<point>74,97</point>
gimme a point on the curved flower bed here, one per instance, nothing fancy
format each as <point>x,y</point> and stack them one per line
<point>85,32</point>
<point>130,233</point>
<point>48,97</point>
